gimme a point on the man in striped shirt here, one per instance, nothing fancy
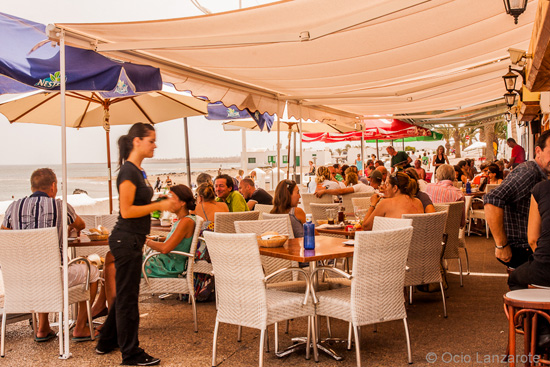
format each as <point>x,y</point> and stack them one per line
<point>43,210</point>
<point>443,191</point>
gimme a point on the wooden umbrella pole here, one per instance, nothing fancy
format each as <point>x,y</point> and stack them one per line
<point>107,128</point>
<point>188,158</point>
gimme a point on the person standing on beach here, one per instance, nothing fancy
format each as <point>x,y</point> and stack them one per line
<point>223,185</point>
<point>168,181</point>
<point>158,185</point>
<point>126,243</point>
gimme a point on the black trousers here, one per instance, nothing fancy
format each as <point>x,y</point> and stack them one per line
<point>532,272</point>
<point>520,256</point>
<point>122,324</point>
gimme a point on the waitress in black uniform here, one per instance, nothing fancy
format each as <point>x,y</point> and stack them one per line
<point>126,244</point>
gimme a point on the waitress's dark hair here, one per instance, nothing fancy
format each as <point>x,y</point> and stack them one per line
<point>185,194</point>
<point>126,142</point>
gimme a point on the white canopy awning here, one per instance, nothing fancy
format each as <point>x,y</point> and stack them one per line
<point>330,60</point>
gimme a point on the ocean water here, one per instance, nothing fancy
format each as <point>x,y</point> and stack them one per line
<point>91,177</point>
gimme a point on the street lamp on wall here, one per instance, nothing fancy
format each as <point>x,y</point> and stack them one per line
<point>515,8</point>
<point>510,79</point>
<point>510,99</point>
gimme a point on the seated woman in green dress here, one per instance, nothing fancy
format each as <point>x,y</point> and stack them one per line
<point>179,239</point>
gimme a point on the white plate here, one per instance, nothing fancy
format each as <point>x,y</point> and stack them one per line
<point>349,242</point>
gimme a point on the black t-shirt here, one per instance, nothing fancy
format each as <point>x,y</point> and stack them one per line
<point>144,194</point>
<point>261,197</point>
<point>541,193</point>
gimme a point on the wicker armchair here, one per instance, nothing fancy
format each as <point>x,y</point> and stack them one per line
<point>91,220</point>
<point>242,296</point>
<point>347,199</point>
<point>262,208</point>
<point>307,199</point>
<point>183,285</point>
<point>452,229</point>
<point>223,222</point>
<point>36,284</point>
<point>319,211</point>
<point>270,264</point>
<point>363,202</point>
<point>376,292</point>
<point>269,216</point>
<point>424,260</point>
<point>108,221</point>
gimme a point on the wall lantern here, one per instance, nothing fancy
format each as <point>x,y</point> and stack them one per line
<point>510,99</point>
<point>515,8</point>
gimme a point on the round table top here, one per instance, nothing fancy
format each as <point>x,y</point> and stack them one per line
<point>533,298</point>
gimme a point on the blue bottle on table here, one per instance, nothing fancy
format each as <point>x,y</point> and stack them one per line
<point>309,233</point>
<point>468,187</point>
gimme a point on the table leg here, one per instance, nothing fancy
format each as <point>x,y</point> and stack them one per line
<point>301,342</point>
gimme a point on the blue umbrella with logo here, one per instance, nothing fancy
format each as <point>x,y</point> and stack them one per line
<point>100,91</point>
<point>29,61</point>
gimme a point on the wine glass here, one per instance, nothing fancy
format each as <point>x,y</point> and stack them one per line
<point>360,213</point>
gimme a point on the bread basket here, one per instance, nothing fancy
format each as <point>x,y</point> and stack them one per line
<point>272,240</point>
<point>97,236</point>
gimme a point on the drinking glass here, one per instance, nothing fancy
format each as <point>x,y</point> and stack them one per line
<point>360,213</point>
<point>331,215</point>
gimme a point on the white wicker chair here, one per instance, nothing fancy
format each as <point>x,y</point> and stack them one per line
<point>183,285</point>
<point>319,211</point>
<point>424,260</point>
<point>262,208</point>
<point>452,229</point>
<point>242,296</point>
<point>269,216</point>
<point>36,284</point>
<point>91,220</point>
<point>307,199</point>
<point>108,221</point>
<point>270,264</point>
<point>347,199</point>
<point>478,214</point>
<point>376,292</point>
<point>363,203</point>
<point>223,222</point>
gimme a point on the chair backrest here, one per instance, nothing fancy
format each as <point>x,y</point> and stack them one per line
<point>319,211</point>
<point>193,248</point>
<point>269,216</point>
<point>386,224</point>
<point>379,262</point>
<point>108,221</point>
<point>347,199</point>
<point>240,287</point>
<point>262,208</point>
<point>452,226</point>
<point>363,203</point>
<point>467,206</point>
<point>258,227</point>
<point>91,220</point>
<point>425,251</point>
<point>223,222</point>
<point>31,269</point>
<point>490,187</point>
<point>307,199</point>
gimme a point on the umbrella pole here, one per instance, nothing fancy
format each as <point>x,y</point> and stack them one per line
<point>273,185</point>
<point>362,144</point>
<point>301,151</point>
<point>109,174</point>
<point>288,155</point>
<point>294,155</point>
<point>187,157</point>
<point>403,144</point>
<point>377,150</point>
<point>64,350</point>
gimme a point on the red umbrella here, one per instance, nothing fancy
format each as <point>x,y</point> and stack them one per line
<point>374,129</point>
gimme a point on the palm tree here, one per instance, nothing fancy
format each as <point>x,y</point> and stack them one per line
<point>446,132</point>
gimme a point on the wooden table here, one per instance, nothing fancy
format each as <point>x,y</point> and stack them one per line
<point>475,194</point>
<point>84,241</point>
<point>338,232</point>
<point>160,228</point>
<point>326,248</point>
